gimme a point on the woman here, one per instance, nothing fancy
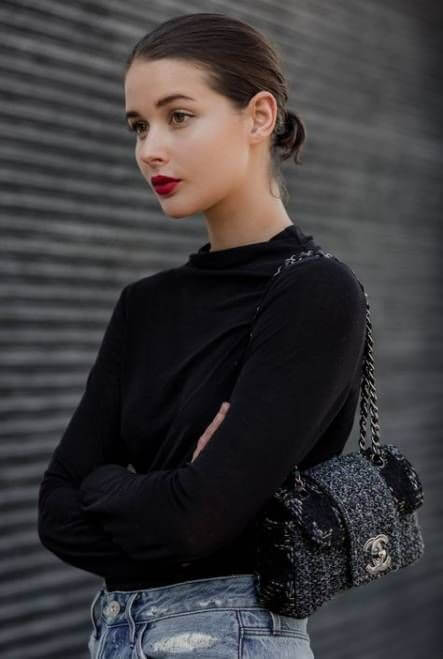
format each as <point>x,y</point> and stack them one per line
<point>192,417</point>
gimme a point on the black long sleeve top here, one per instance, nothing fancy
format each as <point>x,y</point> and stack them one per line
<point>120,497</point>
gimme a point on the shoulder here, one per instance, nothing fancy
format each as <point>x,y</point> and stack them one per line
<point>149,287</point>
<point>152,281</point>
<point>314,310</point>
<point>143,293</point>
<point>323,275</point>
<point>320,287</point>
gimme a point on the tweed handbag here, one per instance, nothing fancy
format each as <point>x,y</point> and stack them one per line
<point>344,522</point>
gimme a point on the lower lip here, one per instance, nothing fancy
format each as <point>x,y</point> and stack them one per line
<point>167,188</point>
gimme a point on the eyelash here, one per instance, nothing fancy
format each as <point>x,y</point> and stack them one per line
<point>133,127</point>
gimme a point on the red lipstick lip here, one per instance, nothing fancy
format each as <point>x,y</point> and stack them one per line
<point>162,180</point>
<point>166,188</point>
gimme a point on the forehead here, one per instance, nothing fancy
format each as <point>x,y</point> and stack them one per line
<point>150,80</point>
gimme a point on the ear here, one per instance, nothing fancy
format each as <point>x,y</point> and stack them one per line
<point>262,110</point>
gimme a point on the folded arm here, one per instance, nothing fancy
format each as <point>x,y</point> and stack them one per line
<point>91,438</point>
<point>300,364</point>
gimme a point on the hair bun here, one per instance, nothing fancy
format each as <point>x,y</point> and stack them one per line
<point>291,136</point>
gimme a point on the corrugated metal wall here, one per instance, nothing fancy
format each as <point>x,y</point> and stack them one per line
<point>78,223</point>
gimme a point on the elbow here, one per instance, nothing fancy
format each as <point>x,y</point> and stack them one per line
<point>48,517</point>
<point>45,530</point>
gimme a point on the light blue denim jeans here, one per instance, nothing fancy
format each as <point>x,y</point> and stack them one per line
<point>214,617</point>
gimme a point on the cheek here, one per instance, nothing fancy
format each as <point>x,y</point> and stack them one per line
<point>217,157</point>
<point>143,166</point>
<point>213,158</point>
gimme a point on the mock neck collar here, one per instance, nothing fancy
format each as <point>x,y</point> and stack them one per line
<point>222,258</point>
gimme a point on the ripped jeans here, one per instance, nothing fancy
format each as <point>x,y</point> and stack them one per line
<point>214,617</point>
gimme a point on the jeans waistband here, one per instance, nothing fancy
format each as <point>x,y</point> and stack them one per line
<point>231,591</point>
<point>117,607</point>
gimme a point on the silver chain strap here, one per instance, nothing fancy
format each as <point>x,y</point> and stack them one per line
<point>368,395</point>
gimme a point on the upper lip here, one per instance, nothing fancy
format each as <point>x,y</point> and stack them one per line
<point>160,180</point>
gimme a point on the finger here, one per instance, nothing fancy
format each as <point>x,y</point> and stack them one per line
<point>216,421</point>
<point>210,430</point>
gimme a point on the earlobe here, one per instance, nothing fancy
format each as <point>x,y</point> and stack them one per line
<point>253,130</point>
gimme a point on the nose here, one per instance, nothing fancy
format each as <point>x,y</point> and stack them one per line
<point>152,149</point>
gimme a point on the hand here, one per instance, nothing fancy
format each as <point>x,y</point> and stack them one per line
<point>210,430</point>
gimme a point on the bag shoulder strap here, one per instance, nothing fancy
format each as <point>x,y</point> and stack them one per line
<point>289,261</point>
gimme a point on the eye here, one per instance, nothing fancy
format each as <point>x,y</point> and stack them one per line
<point>133,128</point>
<point>180,112</point>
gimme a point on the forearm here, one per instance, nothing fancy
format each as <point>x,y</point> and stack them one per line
<point>143,513</point>
<point>66,532</point>
<point>90,438</point>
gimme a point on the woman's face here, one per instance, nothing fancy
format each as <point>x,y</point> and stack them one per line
<point>203,141</point>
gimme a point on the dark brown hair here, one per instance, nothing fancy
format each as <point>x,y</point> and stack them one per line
<point>239,60</point>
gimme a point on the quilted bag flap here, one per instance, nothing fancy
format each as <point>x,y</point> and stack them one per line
<point>314,511</point>
<point>368,513</point>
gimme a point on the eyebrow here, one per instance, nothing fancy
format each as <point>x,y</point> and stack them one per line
<point>161,102</point>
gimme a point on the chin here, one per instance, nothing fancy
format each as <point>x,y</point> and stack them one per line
<point>178,212</point>
<point>174,209</point>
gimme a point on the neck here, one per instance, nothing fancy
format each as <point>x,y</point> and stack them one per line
<point>244,220</point>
